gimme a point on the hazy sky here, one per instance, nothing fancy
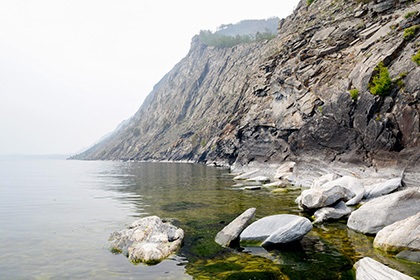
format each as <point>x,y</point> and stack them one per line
<point>72,70</point>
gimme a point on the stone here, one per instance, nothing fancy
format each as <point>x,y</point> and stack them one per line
<point>412,256</point>
<point>231,232</point>
<point>335,212</point>
<point>252,188</point>
<point>322,197</point>
<point>259,179</point>
<point>383,188</point>
<point>318,182</point>
<point>246,175</point>
<point>369,269</point>
<point>285,170</point>
<point>148,240</point>
<point>382,211</point>
<point>277,229</point>
<point>350,183</point>
<point>399,236</point>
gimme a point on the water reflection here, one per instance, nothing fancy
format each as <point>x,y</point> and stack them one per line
<point>201,200</point>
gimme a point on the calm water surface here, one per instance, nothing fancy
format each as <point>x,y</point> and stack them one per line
<point>56,217</point>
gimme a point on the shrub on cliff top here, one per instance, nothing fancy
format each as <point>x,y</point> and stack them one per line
<point>381,83</point>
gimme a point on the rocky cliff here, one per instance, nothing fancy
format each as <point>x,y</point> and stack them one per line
<point>290,96</point>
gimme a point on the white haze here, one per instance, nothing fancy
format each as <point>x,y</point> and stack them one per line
<point>71,71</point>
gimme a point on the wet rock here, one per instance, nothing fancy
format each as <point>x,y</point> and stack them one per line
<point>148,240</point>
<point>231,232</point>
<point>335,212</point>
<point>383,188</point>
<point>368,268</point>
<point>382,211</point>
<point>399,236</point>
<point>277,229</point>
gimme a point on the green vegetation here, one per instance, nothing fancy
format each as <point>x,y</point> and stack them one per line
<point>410,14</point>
<point>354,94</point>
<point>381,83</point>
<point>246,31</point>
<point>399,81</point>
<point>217,40</point>
<point>309,2</point>
<point>410,32</point>
<point>416,58</point>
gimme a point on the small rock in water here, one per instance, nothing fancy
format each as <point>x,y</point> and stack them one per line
<point>148,240</point>
<point>232,231</point>
<point>277,229</point>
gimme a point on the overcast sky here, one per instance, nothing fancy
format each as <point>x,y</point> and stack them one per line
<point>72,70</point>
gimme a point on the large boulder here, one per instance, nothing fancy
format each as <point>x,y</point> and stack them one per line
<point>231,232</point>
<point>369,269</point>
<point>323,196</point>
<point>350,183</point>
<point>147,240</point>
<point>334,212</point>
<point>277,229</point>
<point>382,188</point>
<point>399,236</point>
<point>385,210</point>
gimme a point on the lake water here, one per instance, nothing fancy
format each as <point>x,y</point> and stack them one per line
<point>56,217</point>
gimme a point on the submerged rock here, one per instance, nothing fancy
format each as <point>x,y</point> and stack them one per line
<point>385,210</point>
<point>399,236</point>
<point>370,269</point>
<point>231,232</point>
<point>148,240</point>
<point>277,229</point>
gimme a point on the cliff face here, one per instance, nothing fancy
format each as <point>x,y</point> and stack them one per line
<point>288,97</point>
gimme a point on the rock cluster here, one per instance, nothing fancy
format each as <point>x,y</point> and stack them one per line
<point>148,240</point>
<point>388,209</point>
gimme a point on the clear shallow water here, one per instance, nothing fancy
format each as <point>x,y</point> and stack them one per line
<point>56,217</point>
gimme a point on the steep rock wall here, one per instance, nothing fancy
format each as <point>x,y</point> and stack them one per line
<point>288,97</point>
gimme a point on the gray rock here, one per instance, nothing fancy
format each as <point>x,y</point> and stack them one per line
<point>383,188</point>
<point>277,229</point>
<point>323,180</point>
<point>246,175</point>
<point>232,231</point>
<point>324,196</point>
<point>259,179</point>
<point>350,183</point>
<point>335,212</point>
<point>369,269</point>
<point>399,236</point>
<point>148,240</point>
<point>385,210</point>
<point>412,256</point>
<point>285,170</point>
